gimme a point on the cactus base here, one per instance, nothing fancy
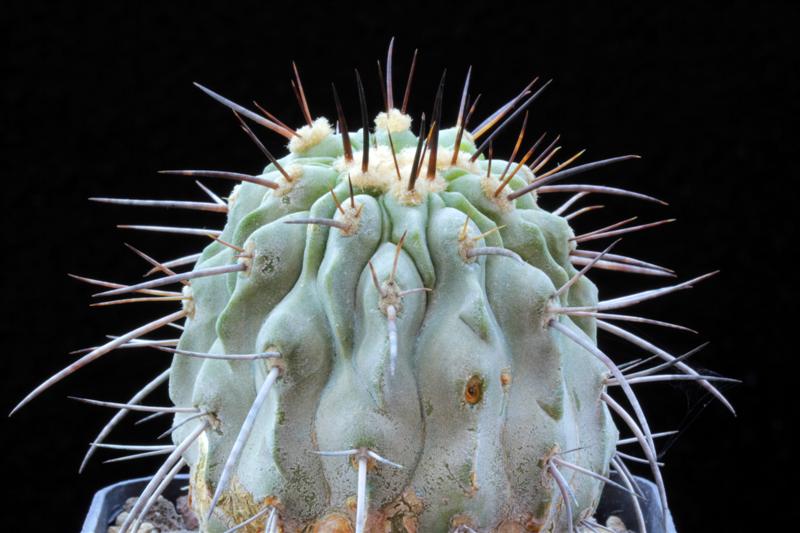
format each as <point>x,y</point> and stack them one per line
<point>108,501</point>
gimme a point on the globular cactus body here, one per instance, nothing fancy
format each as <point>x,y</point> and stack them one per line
<point>390,334</point>
<point>478,394</point>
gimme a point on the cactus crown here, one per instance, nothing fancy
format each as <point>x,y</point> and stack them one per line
<point>390,334</point>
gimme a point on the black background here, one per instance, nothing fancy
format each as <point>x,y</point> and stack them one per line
<point>97,98</point>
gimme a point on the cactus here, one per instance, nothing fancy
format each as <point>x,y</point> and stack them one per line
<point>391,334</point>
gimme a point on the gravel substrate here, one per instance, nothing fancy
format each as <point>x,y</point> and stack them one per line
<point>163,517</point>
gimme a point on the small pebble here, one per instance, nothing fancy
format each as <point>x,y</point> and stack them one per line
<point>163,517</point>
<point>185,510</point>
<point>615,523</point>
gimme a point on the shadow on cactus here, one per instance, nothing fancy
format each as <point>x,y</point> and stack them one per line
<point>390,334</point>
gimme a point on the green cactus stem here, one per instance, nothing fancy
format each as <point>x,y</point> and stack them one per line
<point>390,333</point>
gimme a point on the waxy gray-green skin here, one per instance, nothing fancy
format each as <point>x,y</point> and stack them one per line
<point>309,296</point>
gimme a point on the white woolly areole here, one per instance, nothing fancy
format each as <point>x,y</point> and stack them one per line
<point>489,185</point>
<point>395,121</point>
<point>234,195</point>
<point>462,160</point>
<point>310,136</point>
<point>246,258</point>
<point>382,174</point>
<point>285,186</point>
<point>188,302</point>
